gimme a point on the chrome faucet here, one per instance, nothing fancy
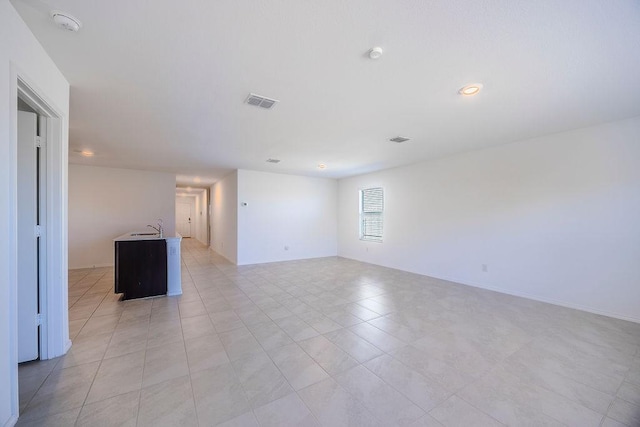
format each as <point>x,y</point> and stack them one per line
<point>158,228</point>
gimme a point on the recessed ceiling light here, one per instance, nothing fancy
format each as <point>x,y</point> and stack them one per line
<point>85,153</point>
<point>322,166</point>
<point>470,89</point>
<point>66,21</point>
<point>375,52</point>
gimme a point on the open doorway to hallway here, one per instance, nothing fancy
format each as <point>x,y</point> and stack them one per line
<point>193,213</point>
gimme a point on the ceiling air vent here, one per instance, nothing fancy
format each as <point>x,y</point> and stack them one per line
<point>399,139</point>
<point>273,160</point>
<point>260,101</point>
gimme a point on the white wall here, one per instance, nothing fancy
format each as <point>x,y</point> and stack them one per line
<point>200,215</point>
<point>224,206</point>
<point>554,218</point>
<point>21,54</point>
<point>285,210</point>
<point>107,202</point>
<point>204,218</point>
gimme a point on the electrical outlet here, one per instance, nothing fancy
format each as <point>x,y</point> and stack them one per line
<point>485,268</point>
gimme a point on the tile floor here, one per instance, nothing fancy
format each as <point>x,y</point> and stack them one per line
<point>329,342</point>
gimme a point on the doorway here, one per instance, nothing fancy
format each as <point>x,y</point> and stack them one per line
<point>192,213</point>
<point>45,187</point>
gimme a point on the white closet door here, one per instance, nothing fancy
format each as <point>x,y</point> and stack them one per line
<point>27,240</point>
<point>183,219</point>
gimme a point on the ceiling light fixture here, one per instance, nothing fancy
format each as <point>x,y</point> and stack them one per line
<point>66,21</point>
<point>470,89</point>
<point>322,166</point>
<point>85,153</point>
<point>375,52</point>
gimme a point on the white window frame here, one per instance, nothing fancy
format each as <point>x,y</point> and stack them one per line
<point>362,214</point>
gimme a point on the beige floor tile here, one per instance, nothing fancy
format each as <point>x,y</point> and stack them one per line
<point>63,390</point>
<point>625,412</point>
<point>456,412</point>
<point>121,410</point>
<point>286,411</point>
<point>219,395</point>
<point>297,366</point>
<point>197,326</point>
<point>384,402</point>
<point>355,346</point>
<point>269,335</point>
<point>240,343</point>
<point>630,392</point>
<point>86,349</point>
<point>247,419</point>
<point>205,352</point>
<point>164,363</point>
<point>261,379</point>
<point>417,388</point>
<point>328,355</point>
<point>169,404</point>
<point>63,419</point>
<point>333,406</point>
<point>224,351</point>
<point>116,376</point>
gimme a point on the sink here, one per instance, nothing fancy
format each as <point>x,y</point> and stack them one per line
<point>144,234</point>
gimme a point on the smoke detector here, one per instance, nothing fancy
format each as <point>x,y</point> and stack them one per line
<point>66,21</point>
<point>375,52</point>
<point>260,101</point>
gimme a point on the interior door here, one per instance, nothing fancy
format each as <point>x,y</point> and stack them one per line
<point>27,236</point>
<point>183,219</point>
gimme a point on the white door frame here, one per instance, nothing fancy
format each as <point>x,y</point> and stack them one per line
<point>54,331</point>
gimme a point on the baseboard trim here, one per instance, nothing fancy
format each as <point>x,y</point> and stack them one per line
<point>514,293</point>
<point>92,266</point>
<point>213,250</point>
<point>11,421</point>
<point>540,299</point>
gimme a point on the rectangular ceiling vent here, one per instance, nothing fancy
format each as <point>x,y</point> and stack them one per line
<point>260,101</point>
<point>273,160</point>
<point>399,139</point>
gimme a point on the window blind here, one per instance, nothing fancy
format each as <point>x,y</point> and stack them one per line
<point>371,214</point>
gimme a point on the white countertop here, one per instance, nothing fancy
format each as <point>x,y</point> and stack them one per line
<point>144,235</point>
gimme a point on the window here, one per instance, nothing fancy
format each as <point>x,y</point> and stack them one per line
<point>371,207</point>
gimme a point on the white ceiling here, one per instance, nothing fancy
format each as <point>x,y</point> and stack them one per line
<point>161,85</point>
